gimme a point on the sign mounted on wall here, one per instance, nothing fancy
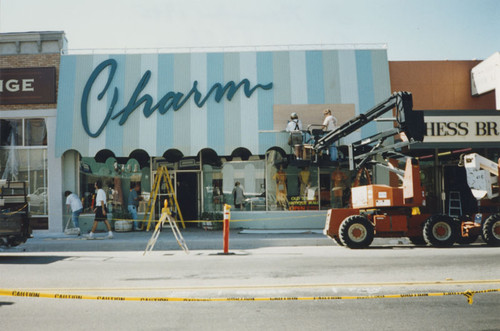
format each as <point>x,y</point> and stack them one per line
<point>27,86</point>
<point>171,100</point>
<point>220,100</point>
<point>453,128</point>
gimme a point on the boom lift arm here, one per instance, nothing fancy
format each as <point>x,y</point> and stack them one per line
<point>409,122</point>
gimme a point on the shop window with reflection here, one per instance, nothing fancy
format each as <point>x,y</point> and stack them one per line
<point>35,133</point>
<point>118,176</point>
<point>291,187</point>
<point>23,157</point>
<point>213,197</point>
<point>243,185</point>
<point>335,185</point>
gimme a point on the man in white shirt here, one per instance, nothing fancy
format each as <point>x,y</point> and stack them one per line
<point>74,204</point>
<point>330,122</point>
<point>294,124</point>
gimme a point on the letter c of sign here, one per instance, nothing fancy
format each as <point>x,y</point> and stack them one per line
<point>86,92</point>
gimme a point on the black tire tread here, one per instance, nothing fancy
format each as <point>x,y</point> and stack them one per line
<point>347,223</point>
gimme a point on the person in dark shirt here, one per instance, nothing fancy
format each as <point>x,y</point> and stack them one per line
<point>133,203</point>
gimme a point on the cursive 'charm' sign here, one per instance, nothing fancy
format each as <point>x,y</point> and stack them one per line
<point>171,100</point>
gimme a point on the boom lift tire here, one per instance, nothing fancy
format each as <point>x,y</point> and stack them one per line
<point>418,241</point>
<point>338,241</point>
<point>356,231</point>
<point>491,230</point>
<point>467,240</point>
<point>440,231</point>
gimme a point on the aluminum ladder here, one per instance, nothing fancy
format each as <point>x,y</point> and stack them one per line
<point>454,204</point>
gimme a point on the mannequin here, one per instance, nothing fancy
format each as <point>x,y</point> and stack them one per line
<point>281,189</point>
<point>305,182</point>
<point>338,185</point>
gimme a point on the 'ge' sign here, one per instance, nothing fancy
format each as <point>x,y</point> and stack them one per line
<point>27,86</point>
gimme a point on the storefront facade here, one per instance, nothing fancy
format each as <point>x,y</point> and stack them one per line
<point>214,119</point>
<point>29,67</point>
<point>457,123</point>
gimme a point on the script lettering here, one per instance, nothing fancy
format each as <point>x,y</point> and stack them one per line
<point>171,99</point>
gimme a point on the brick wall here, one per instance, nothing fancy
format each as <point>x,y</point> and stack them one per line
<point>30,61</point>
<point>439,85</point>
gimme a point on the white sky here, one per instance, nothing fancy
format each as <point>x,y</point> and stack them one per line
<point>412,29</point>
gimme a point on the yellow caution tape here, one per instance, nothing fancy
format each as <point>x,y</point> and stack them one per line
<point>28,294</point>
<point>15,212</point>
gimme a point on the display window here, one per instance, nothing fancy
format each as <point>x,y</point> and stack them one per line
<point>213,197</point>
<point>274,184</point>
<point>290,187</point>
<point>23,157</point>
<point>118,176</point>
<point>243,184</point>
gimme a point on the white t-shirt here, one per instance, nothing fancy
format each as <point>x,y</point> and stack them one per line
<point>330,123</point>
<point>294,125</point>
<point>74,202</point>
<point>101,196</point>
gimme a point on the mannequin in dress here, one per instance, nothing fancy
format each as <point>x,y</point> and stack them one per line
<point>305,181</point>
<point>281,189</point>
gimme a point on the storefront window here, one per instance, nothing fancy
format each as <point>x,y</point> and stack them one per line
<point>19,161</point>
<point>290,187</point>
<point>117,177</point>
<point>35,133</point>
<point>213,197</point>
<point>335,187</point>
<point>305,186</point>
<point>11,132</point>
<point>250,176</point>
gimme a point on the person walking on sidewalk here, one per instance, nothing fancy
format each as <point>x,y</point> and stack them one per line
<point>74,204</point>
<point>133,203</point>
<point>100,211</point>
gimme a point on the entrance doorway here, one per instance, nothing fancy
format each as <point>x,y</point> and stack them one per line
<point>187,195</point>
<point>186,189</point>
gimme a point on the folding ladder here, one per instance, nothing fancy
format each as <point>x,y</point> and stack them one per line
<point>162,176</point>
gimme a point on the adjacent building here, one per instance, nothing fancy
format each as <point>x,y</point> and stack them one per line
<point>29,69</point>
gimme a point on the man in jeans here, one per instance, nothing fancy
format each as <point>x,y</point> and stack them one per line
<point>133,203</point>
<point>74,203</point>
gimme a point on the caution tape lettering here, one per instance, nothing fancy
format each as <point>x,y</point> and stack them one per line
<point>27,294</point>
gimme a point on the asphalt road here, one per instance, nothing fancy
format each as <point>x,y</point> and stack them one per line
<point>266,273</point>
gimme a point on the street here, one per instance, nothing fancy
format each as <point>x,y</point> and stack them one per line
<point>266,273</point>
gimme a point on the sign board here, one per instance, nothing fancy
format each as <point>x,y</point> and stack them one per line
<point>27,86</point>
<point>478,128</point>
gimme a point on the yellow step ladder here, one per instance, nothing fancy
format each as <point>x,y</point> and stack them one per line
<point>162,176</point>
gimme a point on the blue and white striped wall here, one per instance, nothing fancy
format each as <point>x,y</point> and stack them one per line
<point>359,77</point>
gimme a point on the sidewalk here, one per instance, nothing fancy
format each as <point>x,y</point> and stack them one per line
<point>195,238</point>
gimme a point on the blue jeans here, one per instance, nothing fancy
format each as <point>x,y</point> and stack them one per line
<point>333,153</point>
<point>133,210</point>
<point>74,217</point>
